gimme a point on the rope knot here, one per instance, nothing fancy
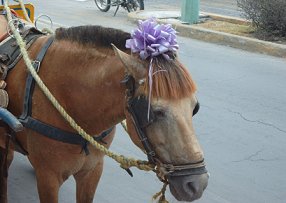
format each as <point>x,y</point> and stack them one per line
<point>161,194</point>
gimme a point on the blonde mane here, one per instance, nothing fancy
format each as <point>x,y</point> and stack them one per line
<point>171,80</point>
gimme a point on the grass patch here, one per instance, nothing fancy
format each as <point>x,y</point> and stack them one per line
<point>228,27</point>
<point>240,29</point>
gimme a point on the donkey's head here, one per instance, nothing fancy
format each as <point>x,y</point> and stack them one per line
<point>160,106</point>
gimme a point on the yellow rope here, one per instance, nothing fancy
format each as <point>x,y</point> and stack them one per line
<point>124,161</point>
<point>161,195</point>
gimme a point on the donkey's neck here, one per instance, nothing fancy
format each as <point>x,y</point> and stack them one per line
<point>97,97</point>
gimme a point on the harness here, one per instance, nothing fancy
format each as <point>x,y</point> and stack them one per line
<point>9,56</point>
<point>138,109</point>
<point>10,52</point>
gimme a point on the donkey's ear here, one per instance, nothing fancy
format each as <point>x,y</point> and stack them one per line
<point>133,65</point>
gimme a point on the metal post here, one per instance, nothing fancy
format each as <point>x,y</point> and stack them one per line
<point>190,11</point>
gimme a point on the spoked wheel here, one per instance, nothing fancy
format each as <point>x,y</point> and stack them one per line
<point>134,5</point>
<point>141,4</point>
<point>103,5</point>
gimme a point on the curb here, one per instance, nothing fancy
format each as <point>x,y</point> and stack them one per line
<point>221,38</point>
<point>229,19</point>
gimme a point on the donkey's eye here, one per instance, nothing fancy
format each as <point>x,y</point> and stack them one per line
<point>159,113</point>
<point>196,109</point>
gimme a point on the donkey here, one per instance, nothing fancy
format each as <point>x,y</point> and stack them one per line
<point>100,85</point>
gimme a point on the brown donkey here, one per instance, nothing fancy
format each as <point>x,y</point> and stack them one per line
<point>85,74</point>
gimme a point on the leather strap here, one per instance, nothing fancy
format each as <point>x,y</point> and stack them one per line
<point>143,138</point>
<point>129,81</point>
<point>188,171</point>
<point>61,135</point>
<point>184,169</point>
<point>10,51</point>
<point>30,82</point>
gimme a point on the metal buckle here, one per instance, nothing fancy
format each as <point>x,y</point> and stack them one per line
<point>36,64</point>
<point>152,153</point>
<point>169,168</point>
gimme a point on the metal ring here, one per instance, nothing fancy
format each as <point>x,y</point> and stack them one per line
<point>44,15</point>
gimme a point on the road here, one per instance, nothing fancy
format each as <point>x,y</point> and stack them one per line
<point>241,124</point>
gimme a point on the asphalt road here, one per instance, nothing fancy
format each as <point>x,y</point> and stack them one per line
<point>241,124</point>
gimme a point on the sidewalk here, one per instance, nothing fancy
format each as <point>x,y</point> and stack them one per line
<point>222,38</point>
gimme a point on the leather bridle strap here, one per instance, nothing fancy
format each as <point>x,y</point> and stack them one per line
<point>192,168</point>
<point>129,81</point>
<point>143,138</point>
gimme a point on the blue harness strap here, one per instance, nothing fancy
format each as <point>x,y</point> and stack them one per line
<point>46,129</point>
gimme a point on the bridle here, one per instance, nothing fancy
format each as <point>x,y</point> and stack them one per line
<point>138,109</point>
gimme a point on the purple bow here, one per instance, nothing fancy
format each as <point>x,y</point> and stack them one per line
<point>153,39</point>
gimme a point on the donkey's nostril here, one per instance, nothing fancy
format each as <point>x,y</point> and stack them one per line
<point>192,187</point>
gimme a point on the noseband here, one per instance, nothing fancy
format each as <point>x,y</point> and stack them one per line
<point>138,109</point>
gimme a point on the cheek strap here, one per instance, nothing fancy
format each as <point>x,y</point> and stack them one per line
<point>138,109</point>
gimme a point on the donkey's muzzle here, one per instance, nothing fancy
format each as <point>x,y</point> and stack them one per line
<point>186,186</point>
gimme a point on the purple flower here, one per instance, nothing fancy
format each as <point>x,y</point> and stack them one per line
<point>153,39</point>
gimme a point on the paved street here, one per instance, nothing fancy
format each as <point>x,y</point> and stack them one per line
<point>241,123</point>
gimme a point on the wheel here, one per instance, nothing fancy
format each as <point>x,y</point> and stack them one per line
<point>141,4</point>
<point>103,5</point>
<point>134,5</point>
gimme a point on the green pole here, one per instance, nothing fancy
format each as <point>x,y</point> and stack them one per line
<point>190,11</point>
